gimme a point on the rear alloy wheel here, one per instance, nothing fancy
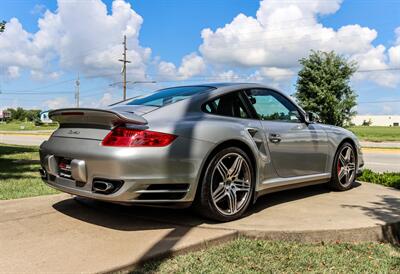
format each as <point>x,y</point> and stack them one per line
<point>344,168</point>
<point>227,187</point>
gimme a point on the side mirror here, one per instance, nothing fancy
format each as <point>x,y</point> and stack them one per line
<point>312,117</point>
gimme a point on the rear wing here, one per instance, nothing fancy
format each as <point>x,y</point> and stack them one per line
<point>92,116</point>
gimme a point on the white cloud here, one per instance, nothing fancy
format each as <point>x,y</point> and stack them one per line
<point>106,100</point>
<point>40,75</point>
<point>13,72</point>
<point>394,52</point>
<point>277,74</point>
<point>375,59</point>
<point>228,76</point>
<point>17,48</point>
<point>81,36</point>
<point>394,56</point>
<point>38,9</point>
<point>191,65</point>
<point>283,32</point>
<point>397,33</point>
<point>60,102</point>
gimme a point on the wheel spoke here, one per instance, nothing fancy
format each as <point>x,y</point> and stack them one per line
<point>222,169</point>
<point>347,176</point>
<point>342,173</point>
<point>242,185</point>
<point>342,159</point>
<point>236,167</point>
<point>232,199</point>
<point>348,154</point>
<point>219,192</point>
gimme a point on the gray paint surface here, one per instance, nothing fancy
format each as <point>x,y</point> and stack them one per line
<point>306,150</point>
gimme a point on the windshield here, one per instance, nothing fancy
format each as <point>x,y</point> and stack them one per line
<point>167,96</point>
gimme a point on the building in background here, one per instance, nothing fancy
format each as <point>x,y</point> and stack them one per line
<point>4,115</point>
<point>377,120</point>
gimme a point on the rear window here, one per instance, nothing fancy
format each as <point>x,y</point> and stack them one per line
<point>167,96</point>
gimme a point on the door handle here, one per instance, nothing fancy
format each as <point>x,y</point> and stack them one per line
<point>274,138</point>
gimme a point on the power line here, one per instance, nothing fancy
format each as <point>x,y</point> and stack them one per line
<point>379,102</point>
<point>37,89</point>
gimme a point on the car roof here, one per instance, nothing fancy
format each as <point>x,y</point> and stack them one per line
<point>224,84</point>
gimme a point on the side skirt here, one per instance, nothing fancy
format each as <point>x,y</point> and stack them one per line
<point>279,184</point>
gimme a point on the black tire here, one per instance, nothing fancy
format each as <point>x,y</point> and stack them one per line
<point>337,181</point>
<point>204,203</point>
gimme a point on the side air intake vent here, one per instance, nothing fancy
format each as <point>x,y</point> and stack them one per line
<point>163,192</point>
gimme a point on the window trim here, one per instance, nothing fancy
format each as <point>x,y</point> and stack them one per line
<point>241,98</point>
<point>255,114</point>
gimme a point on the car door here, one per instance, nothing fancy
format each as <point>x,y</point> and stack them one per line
<point>296,147</point>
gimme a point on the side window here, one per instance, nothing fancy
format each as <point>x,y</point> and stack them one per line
<point>227,105</point>
<point>271,106</point>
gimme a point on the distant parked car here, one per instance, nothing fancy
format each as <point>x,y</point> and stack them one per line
<point>215,146</point>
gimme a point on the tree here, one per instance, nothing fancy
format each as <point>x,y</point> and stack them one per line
<point>21,114</point>
<point>323,87</point>
<point>367,123</point>
<point>2,26</point>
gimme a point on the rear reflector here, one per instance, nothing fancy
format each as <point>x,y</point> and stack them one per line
<point>71,113</point>
<point>125,137</point>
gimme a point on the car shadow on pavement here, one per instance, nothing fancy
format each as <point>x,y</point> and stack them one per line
<point>125,217</point>
<point>386,210</point>
<point>179,221</point>
<point>112,216</point>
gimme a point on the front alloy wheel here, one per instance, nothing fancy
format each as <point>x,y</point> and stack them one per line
<point>227,187</point>
<point>344,168</point>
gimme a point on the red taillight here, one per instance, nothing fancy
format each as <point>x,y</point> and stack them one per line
<point>125,137</point>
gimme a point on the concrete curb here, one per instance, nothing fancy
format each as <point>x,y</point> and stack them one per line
<point>173,252</point>
<point>389,233</point>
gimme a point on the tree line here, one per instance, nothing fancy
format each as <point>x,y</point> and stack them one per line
<point>20,114</point>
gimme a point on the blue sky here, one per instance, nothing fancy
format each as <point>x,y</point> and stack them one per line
<point>169,47</point>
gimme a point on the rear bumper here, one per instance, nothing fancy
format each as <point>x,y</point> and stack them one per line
<point>148,175</point>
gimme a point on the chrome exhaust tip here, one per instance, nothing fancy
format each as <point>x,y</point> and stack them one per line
<point>103,187</point>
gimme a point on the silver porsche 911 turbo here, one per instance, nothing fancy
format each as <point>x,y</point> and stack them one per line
<point>215,146</point>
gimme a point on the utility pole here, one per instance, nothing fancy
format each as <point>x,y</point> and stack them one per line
<point>77,83</point>
<point>124,61</point>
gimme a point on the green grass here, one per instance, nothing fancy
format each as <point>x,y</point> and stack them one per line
<point>19,175</point>
<point>376,134</point>
<point>25,126</point>
<point>258,256</point>
<point>391,179</point>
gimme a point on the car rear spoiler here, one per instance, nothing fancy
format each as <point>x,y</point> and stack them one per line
<point>106,117</point>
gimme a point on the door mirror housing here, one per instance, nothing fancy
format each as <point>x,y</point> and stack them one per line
<point>312,117</point>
